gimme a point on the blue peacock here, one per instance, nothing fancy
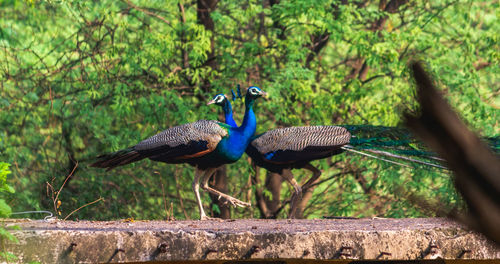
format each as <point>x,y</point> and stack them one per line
<point>205,144</point>
<point>295,147</point>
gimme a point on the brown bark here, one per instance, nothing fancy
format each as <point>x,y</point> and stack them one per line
<point>481,65</point>
<point>259,195</point>
<point>220,184</point>
<point>307,192</point>
<point>184,53</point>
<point>273,184</point>
<point>269,207</point>
<point>319,42</point>
<point>276,23</point>
<point>203,13</point>
<point>204,7</point>
<point>356,66</point>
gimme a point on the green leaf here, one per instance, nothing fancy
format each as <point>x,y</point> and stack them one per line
<point>5,210</point>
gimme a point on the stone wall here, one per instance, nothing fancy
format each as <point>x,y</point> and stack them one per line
<point>134,241</point>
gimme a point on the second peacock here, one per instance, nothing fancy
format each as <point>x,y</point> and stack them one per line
<point>282,149</point>
<point>205,144</point>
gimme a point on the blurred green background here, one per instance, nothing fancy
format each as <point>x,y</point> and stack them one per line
<point>83,78</point>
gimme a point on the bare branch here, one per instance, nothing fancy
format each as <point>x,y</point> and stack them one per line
<point>147,12</point>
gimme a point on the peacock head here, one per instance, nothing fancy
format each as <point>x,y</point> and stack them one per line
<point>254,92</point>
<point>220,100</point>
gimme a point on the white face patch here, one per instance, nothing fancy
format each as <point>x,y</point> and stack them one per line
<point>254,91</point>
<point>219,99</point>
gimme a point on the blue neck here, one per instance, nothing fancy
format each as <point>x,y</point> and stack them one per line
<point>249,124</point>
<point>228,114</point>
<point>232,147</point>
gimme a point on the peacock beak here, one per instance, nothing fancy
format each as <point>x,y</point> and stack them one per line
<point>262,93</point>
<point>211,102</point>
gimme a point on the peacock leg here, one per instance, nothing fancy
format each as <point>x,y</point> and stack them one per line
<point>308,191</point>
<point>297,196</point>
<point>312,180</point>
<point>196,189</point>
<point>288,176</point>
<point>233,201</point>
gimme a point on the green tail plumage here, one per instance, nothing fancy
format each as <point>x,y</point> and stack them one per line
<point>398,145</point>
<point>493,143</point>
<point>392,144</point>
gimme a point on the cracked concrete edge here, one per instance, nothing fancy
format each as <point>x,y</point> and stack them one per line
<point>58,246</point>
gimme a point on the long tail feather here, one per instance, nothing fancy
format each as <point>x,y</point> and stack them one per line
<point>373,156</point>
<point>119,158</point>
<point>388,154</point>
<point>392,155</point>
<point>391,142</point>
<point>399,144</point>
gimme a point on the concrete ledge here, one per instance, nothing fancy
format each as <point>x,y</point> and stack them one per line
<point>363,239</point>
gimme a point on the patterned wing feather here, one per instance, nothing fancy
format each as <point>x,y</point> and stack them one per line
<point>187,140</point>
<point>301,138</point>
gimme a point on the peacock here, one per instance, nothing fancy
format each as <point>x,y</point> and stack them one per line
<point>295,147</point>
<point>205,144</point>
<point>291,147</point>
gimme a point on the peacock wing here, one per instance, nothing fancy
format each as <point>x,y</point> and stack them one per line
<point>286,145</point>
<point>183,142</point>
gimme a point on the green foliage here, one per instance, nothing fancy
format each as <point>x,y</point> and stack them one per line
<point>82,78</point>
<point>5,210</point>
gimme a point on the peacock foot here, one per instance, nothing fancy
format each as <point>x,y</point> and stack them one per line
<point>234,202</point>
<point>229,199</point>
<point>204,217</point>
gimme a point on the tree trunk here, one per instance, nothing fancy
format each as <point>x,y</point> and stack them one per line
<point>220,184</point>
<point>273,184</point>
<point>203,13</point>
<point>307,192</point>
<point>204,9</point>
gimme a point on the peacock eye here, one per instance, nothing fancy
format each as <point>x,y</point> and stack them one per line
<point>253,91</point>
